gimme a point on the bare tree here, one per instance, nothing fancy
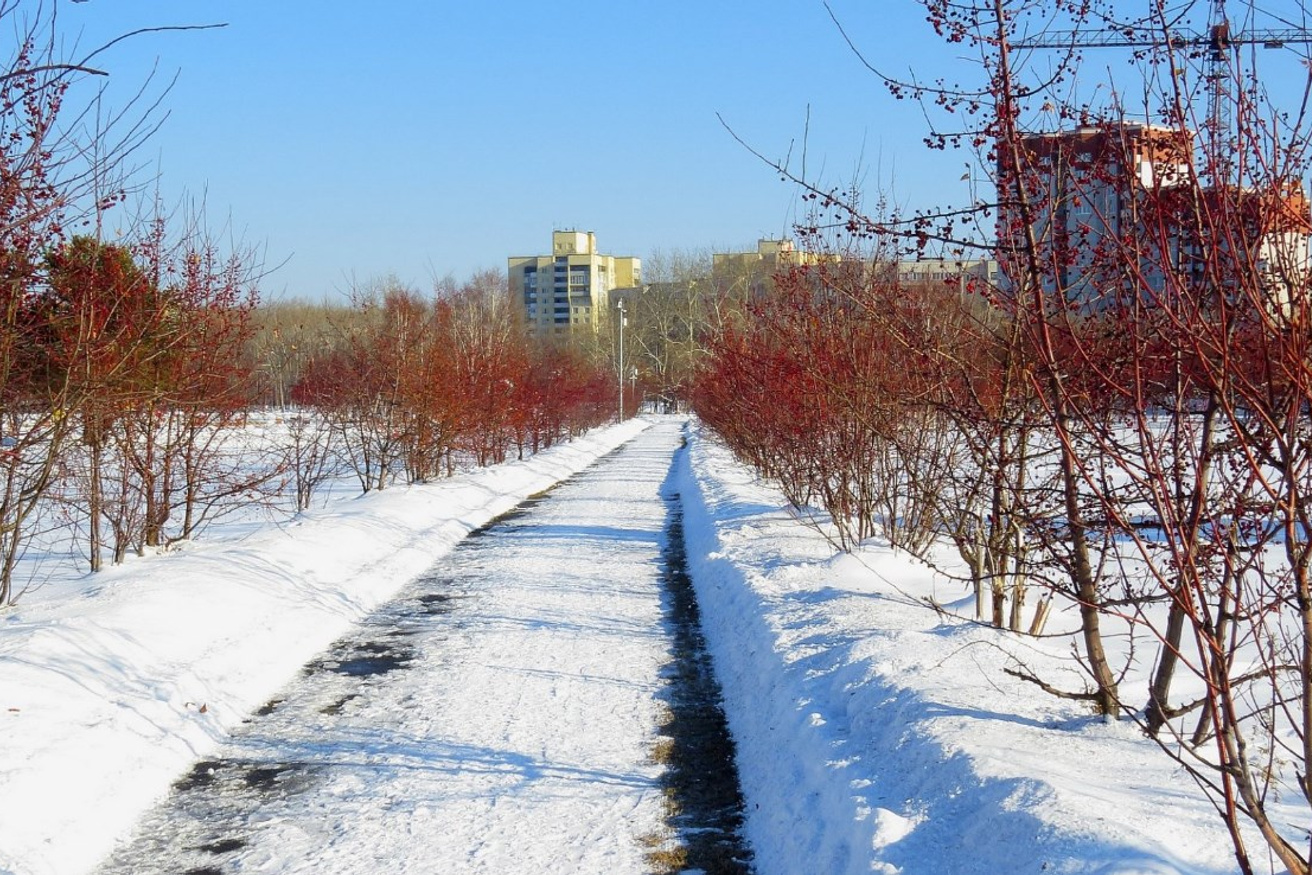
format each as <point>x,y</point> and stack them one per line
<point>62,160</point>
<point>1156,270</point>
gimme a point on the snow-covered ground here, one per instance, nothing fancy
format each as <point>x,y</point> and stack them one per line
<point>873,734</point>
<point>111,689</point>
<point>497,717</point>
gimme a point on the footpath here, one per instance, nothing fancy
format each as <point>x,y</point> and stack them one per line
<point>873,735</point>
<point>112,685</point>
<point>499,716</point>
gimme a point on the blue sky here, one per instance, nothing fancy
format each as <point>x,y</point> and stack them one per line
<point>355,140</point>
<point>423,138</point>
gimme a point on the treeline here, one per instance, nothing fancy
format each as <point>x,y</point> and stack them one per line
<point>1141,467</point>
<point>131,371</point>
<point>895,409</point>
<point>401,384</point>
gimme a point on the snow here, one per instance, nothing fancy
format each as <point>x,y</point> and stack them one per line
<point>109,693</point>
<point>508,730</point>
<point>874,735</point>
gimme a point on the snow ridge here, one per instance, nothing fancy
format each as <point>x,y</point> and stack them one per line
<point>875,736</point>
<point>107,695</point>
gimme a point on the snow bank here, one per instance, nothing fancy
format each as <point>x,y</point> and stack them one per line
<point>875,735</point>
<point>107,695</point>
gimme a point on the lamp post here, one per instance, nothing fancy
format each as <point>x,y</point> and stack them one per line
<point>620,369</point>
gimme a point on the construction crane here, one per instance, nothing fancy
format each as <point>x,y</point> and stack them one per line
<point>1219,42</point>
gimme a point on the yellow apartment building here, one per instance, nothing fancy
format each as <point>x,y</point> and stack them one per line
<point>565,292</point>
<point>751,274</point>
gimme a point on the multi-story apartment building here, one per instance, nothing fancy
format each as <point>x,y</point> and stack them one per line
<point>1080,187</point>
<point>566,292</point>
<point>751,274</point>
<point>947,270</point>
<point>1264,235</point>
<point>1115,207</point>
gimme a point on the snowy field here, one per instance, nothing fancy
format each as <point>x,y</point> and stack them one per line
<point>874,735</point>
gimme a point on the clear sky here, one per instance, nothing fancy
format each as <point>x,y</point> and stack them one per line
<point>425,137</point>
<point>421,138</point>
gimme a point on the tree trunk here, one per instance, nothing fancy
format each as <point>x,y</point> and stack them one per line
<point>1107,699</point>
<point>1189,517</point>
<point>95,504</point>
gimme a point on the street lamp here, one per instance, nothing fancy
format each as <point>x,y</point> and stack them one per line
<point>620,369</point>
